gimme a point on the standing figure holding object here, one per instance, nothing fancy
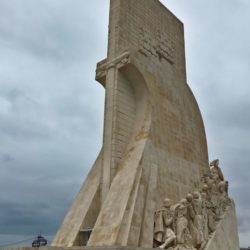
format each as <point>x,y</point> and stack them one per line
<point>199,219</point>
<point>164,235</point>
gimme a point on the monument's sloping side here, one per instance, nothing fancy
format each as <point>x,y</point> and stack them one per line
<point>154,142</point>
<point>225,236</point>
<point>84,210</point>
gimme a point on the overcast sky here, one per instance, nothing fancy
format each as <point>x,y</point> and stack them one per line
<point>51,108</point>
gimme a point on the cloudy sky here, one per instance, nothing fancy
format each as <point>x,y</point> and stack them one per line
<point>51,108</point>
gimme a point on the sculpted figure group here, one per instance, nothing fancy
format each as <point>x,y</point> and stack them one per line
<point>188,224</point>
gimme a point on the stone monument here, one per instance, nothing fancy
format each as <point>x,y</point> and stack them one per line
<point>154,143</point>
<point>154,148</point>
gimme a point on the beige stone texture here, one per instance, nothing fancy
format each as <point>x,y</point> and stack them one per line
<point>84,209</point>
<point>154,143</point>
<point>225,236</point>
<point>205,219</point>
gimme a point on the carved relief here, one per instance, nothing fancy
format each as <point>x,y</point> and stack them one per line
<point>194,218</point>
<point>182,231</point>
<point>160,46</point>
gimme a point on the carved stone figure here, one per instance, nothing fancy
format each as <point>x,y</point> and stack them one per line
<point>224,199</point>
<point>215,197</point>
<point>210,203</point>
<point>182,231</point>
<point>164,235</point>
<point>199,219</point>
<point>204,198</point>
<point>191,216</point>
<point>215,169</point>
<point>211,216</point>
<point>209,183</point>
<point>191,223</point>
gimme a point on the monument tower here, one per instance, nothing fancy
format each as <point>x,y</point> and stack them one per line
<point>154,142</point>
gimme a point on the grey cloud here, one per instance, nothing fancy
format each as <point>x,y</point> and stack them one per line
<point>51,109</point>
<point>48,30</point>
<point>50,134</point>
<point>27,219</point>
<point>6,158</point>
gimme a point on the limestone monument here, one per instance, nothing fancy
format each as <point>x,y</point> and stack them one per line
<point>154,148</point>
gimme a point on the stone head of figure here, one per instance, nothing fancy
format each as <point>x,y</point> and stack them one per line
<point>183,202</point>
<point>196,195</point>
<point>214,163</point>
<point>167,203</point>
<point>189,197</point>
<point>207,178</point>
<point>214,174</point>
<point>205,188</point>
<point>223,186</point>
<point>204,195</point>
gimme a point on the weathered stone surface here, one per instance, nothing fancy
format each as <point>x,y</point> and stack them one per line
<point>84,209</point>
<point>72,248</point>
<point>154,142</point>
<point>225,236</point>
<point>200,219</point>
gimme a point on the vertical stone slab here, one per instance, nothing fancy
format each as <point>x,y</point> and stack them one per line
<point>157,37</point>
<point>163,126</point>
<point>110,103</point>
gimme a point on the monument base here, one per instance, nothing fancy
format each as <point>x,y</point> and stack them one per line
<point>225,237</point>
<point>78,248</point>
